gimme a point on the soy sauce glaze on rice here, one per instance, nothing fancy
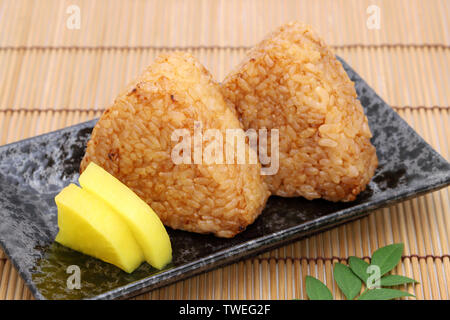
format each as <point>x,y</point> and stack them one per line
<point>132,141</point>
<point>291,81</point>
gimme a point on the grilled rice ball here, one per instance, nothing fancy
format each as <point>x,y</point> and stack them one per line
<point>292,82</point>
<point>133,141</point>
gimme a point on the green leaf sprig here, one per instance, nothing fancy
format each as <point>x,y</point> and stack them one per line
<point>350,278</point>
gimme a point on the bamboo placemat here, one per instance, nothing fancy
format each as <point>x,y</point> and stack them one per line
<point>52,77</point>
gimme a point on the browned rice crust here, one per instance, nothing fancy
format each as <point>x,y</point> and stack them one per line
<point>292,82</point>
<point>132,140</point>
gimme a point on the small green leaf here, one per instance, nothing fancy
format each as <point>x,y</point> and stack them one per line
<point>383,294</point>
<point>347,281</point>
<point>316,290</point>
<point>359,267</point>
<point>395,280</point>
<point>386,258</point>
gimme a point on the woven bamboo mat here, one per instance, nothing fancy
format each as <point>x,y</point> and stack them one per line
<point>52,76</point>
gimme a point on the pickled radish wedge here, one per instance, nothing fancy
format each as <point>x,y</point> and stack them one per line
<point>143,222</point>
<point>89,225</point>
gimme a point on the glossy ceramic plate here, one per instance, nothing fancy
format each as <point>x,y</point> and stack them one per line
<point>33,171</point>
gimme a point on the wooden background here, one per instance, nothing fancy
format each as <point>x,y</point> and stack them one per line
<point>52,77</point>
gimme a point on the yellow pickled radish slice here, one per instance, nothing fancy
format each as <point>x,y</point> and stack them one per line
<point>89,225</point>
<point>144,223</point>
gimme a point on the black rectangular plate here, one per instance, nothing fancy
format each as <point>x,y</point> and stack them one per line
<point>33,171</point>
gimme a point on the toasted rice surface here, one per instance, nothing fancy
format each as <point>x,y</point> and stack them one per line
<point>132,140</point>
<point>292,82</point>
